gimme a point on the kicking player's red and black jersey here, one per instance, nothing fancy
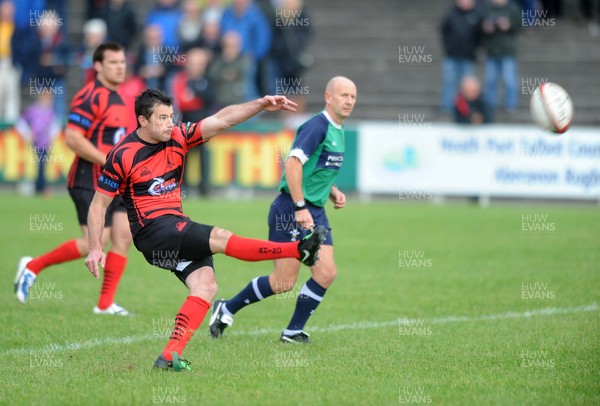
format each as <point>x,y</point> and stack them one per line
<point>148,176</point>
<point>101,115</point>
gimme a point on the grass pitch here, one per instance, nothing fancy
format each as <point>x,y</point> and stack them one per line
<point>433,305</point>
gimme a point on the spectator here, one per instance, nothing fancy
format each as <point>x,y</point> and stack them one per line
<point>10,97</point>
<point>189,30</point>
<point>587,9</point>
<point>292,32</point>
<point>120,21</point>
<point>94,34</point>
<point>94,9</point>
<point>500,27</point>
<point>40,124</point>
<point>229,71</point>
<point>554,8</point>
<point>213,11</point>
<point>194,95</point>
<point>528,10</point>
<point>167,15</point>
<point>52,60</point>
<point>129,90</point>
<point>470,107</point>
<point>460,37</point>
<point>211,35</point>
<point>148,64</point>
<point>245,18</point>
<point>24,37</point>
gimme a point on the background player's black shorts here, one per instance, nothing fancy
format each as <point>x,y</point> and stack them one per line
<point>83,199</point>
<point>176,243</point>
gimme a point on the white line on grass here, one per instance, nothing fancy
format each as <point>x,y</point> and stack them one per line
<point>97,342</point>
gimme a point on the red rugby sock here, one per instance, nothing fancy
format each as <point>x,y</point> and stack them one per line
<point>63,253</point>
<point>188,320</point>
<point>248,249</point>
<point>113,270</point>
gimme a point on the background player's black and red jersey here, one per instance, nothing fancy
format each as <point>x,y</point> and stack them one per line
<point>101,115</point>
<point>148,176</point>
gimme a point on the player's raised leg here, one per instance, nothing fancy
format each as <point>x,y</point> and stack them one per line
<point>249,249</point>
<point>202,287</point>
<point>116,260</point>
<point>310,296</point>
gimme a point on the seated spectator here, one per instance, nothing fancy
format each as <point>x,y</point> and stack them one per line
<point>194,96</point>
<point>50,67</point>
<point>288,53</point>
<point>129,90</point>
<point>120,21</point>
<point>213,11</point>
<point>167,15</point>
<point>189,30</point>
<point>148,63</point>
<point>245,18</point>
<point>229,71</point>
<point>94,34</point>
<point>211,35</point>
<point>470,106</point>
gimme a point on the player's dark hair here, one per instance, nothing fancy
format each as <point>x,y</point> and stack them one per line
<point>107,46</point>
<point>148,99</point>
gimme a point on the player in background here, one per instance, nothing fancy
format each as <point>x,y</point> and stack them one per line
<point>314,161</point>
<point>146,168</point>
<point>96,122</point>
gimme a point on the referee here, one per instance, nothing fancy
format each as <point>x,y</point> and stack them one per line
<point>316,156</point>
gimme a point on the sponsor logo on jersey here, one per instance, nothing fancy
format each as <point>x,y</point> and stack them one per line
<point>120,133</point>
<point>161,186</point>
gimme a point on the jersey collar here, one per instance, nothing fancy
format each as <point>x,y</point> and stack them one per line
<point>333,123</point>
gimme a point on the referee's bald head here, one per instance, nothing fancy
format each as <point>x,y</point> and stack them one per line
<point>336,81</point>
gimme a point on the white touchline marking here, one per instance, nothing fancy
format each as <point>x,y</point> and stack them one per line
<point>97,342</point>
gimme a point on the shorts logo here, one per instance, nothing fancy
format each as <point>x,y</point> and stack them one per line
<point>145,171</point>
<point>294,233</point>
<point>160,186</point>
<point>180,225</point>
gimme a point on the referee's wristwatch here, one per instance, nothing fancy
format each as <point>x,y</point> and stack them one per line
<point>299,205</point>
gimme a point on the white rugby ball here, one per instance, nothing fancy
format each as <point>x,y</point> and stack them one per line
<point>551,108</point>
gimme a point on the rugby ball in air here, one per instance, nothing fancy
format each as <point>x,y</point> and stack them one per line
<point>551,108</point>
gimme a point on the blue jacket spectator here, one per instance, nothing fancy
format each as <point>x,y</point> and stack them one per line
<point>167,15</point>
<point>244,17</point>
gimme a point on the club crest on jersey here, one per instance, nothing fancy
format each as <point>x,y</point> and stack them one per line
<point>120,133</point>
<point>161,186</point>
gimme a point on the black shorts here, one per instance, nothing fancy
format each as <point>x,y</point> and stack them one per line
<point>83,199</point>
<point>177,244</point>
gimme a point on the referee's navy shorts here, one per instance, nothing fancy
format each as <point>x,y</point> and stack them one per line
<point>177,244</point>
<point>282,221</point>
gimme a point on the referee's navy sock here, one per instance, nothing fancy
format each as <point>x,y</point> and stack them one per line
<point>257,290</point>
<point>308,299</point>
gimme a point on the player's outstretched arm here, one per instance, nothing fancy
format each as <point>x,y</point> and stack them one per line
<point>95,222</point>
<point>238,113</point>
